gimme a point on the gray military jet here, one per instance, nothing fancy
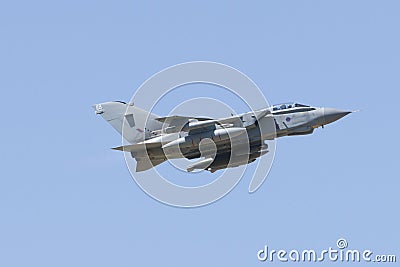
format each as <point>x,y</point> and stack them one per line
<point>155,139</point>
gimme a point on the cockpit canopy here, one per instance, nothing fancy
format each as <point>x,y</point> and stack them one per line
<point>287,106</point>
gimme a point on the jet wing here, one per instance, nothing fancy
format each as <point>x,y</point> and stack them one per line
<point>187,124</point>
<point>179,120</point>
<point>195,125</point>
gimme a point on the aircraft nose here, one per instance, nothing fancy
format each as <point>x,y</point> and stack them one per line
<point>332,114</point>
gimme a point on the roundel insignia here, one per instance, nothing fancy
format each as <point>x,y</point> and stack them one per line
<point>287,119</point>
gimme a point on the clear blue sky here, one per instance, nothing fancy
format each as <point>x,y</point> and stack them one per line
<point>66,199</point>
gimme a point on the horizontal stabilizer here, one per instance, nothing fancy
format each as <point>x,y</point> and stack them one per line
<point>137,147</point>
<point>144,164</point>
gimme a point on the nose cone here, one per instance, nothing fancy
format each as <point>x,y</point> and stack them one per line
<point>331,114</point>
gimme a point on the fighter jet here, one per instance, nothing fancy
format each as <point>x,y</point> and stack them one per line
<point>153,139</point>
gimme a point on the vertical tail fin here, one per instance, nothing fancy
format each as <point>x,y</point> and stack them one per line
<point>128,120</point>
